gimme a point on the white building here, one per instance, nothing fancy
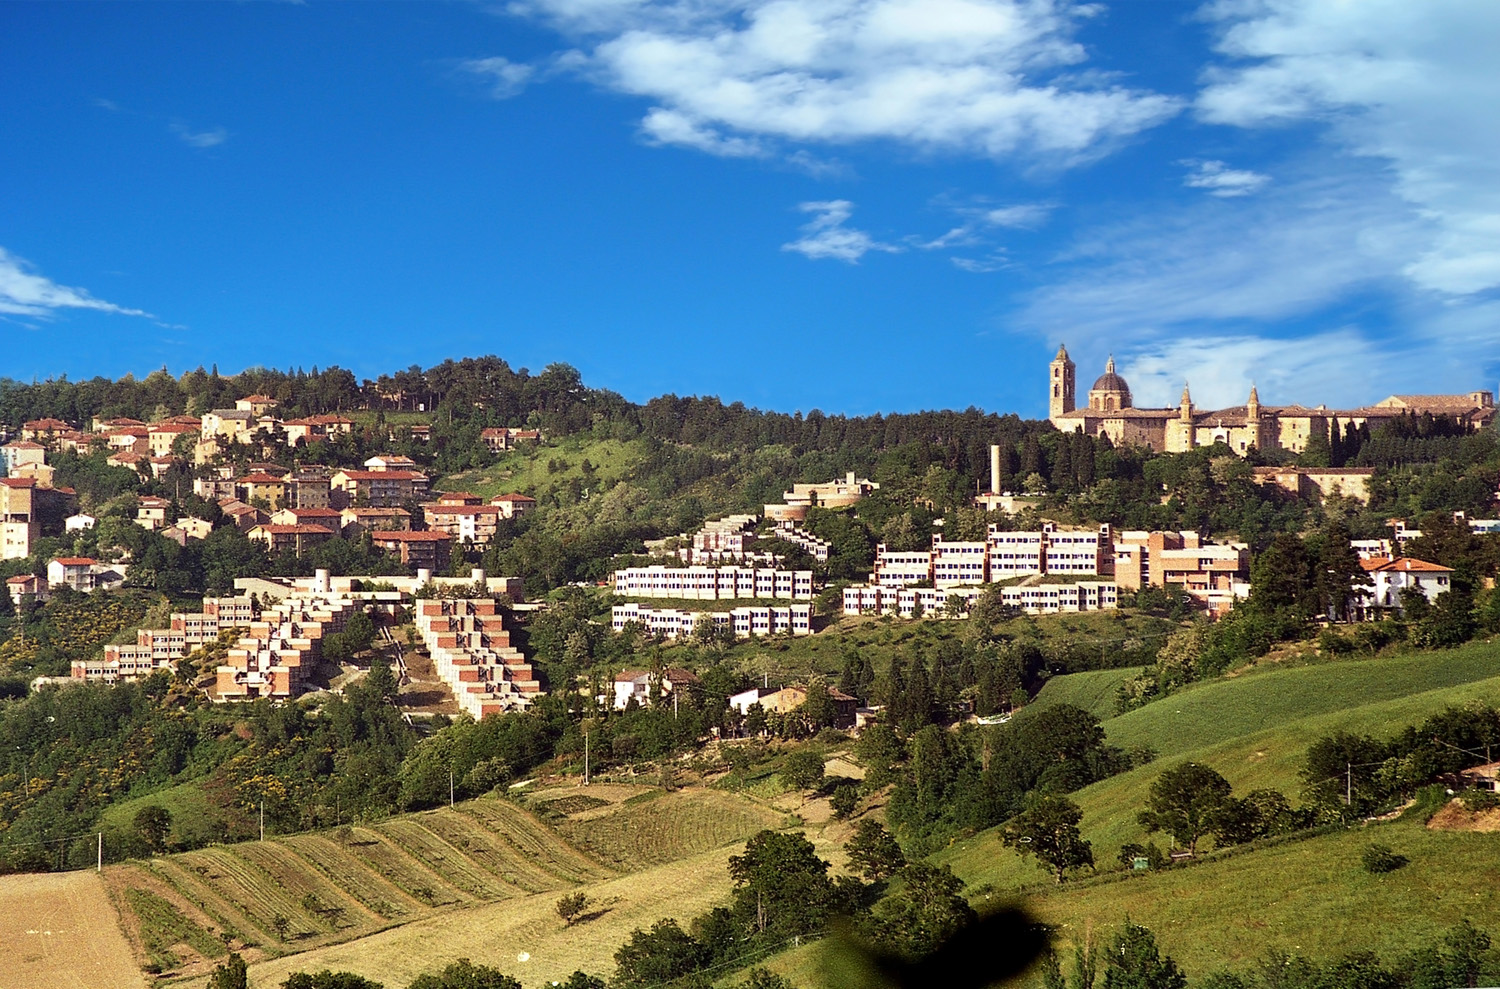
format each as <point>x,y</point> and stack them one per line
<point>714,583</point>
<point>1392,577</point>
<point>675,623</point>
<point>955,602</point>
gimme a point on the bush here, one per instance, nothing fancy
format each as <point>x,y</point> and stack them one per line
<point>1477,800</point>
<point>1380,859</point>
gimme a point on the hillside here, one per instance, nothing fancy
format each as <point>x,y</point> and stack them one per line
<point>1309,895</point>
<point>287,896</point>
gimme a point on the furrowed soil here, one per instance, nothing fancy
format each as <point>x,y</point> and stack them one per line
<point>57,931</point>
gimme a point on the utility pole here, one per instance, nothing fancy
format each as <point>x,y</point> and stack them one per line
<point>450,788</point>
<point>585,759</point>
<point>1349,784</point>
<point>263,819</point>
<point>99,867</point>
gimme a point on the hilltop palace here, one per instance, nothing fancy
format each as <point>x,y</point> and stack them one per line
<point>1111,412</point>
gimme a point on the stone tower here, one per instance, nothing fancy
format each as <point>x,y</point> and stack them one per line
<point>1252,419</point>
<point>1064,384</point>
<point>1179,435</point>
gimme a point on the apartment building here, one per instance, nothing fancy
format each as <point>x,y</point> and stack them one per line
<point>513,506</point>
<point>901,569</point>
<point>472,652</point>
<point>473,524</point>
<point>20,527</point>
<point>1214,575</point>
<point>955,602</point>
<point>357,520</point>
<point>714,583</point>
<point>295,539</point>
<point>790,531</point>
<point>959,564</point>
<point>83,573</point>
<point>376,488</point>
<point>421,550</point>
<point>674,623</point>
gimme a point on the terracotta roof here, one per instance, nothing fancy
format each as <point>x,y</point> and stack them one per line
<point>76,561</point>
<point>1402,564</point>
<point>314,513</point>
<point>441,509</point>
<point>25,578</point>
<point>46,424</point>
<point>258,399</point>
<point>387,475</point>
<point>377,512</point>
<point>292,530</point>
<point>510,497</point>
<point>18,482</point>
<point>261,479</point>
<point>24,445</point>
<point>172,427</point>
<point>410,537</point>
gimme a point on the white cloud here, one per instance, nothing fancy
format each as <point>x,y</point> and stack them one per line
<point>200,139</point>
<point>503,77</point>
<point>23,292</point>
<point>825,236</point>
<point>997,261</point>
<point>979,220</point>
<point>964,76</point>
<point>1219,370</point>
<point>1412,84</point>
<point>1221,180</point>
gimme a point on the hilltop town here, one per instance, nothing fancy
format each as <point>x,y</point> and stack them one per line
<point>317,606</point>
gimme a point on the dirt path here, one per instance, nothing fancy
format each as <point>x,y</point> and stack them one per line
<point>58,931</point>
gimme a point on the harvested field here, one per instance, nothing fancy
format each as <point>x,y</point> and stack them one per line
<point>452,864</point>
<point>383,898</point>
<point>386,858</point>
<point>634,836</point>
<point>57,931</point>
<point>497,933</point>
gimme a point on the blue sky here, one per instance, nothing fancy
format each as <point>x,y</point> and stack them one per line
<point>852,205</point>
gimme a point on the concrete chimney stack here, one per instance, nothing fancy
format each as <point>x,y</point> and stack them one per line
<point>994,468</point>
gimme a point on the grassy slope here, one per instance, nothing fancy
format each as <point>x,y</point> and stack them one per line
<point>525,471</point>
<point>1094,691</point>
<point>1307,896</point>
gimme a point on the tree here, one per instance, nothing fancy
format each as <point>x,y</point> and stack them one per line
<point>873,852</point>
<point>818,708</point>
<point>1187,802</point>
<point>927,909</point>
<point>1135,962</point>
<point>844,799</point>
<point>764,978</point>
<point>231,974</point>
<point>781,886</point>
<point>464,974</point>
<point>802,770</point>
<point>329,980</point>
<point>571,906</point>
<point>154,824</point>
<point>1048,829</point>
<point>662,954</point>
<point>582,980</point>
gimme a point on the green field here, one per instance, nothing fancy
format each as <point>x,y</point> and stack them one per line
<point>193,821</point>
<point>1094,691</point>
<point>531,470</point>
<point>1305,895</point>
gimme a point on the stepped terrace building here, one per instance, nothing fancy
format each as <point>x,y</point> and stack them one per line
<point>472,652</point>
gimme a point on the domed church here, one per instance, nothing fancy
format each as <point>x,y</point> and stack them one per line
<point>1111,412</point>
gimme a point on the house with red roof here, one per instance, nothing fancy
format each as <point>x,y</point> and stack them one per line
<point>1391,578</point>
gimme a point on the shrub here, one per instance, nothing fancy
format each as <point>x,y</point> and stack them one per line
<point>1380,859</point>
<point>1477,800</point>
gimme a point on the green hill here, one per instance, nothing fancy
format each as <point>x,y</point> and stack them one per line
<point>1094,691</point>
<point>1307,895</point>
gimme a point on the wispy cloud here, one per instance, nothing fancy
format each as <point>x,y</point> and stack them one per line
<point>1411,84</point>
<point>502,77</point>
<point>24,292</point>
<point>826,236</point>
<point>736,77</point>
<point>1221,180</point>
<point>979,221</point>
<point>200,138</point>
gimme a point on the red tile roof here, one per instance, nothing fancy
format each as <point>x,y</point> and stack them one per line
<point>1402,563</point>
<point>511,498</point>
<point>385,536</point>
<point>292,530</point>
<point>76,561</point>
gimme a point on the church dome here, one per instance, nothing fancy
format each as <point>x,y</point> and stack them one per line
<point>1110,392</point>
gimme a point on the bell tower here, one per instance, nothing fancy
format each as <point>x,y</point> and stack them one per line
<point>1063,385</point>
